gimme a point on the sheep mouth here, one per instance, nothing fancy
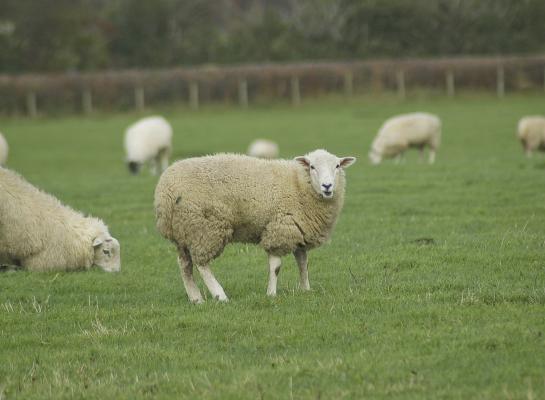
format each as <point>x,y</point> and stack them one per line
<point>327,193</point>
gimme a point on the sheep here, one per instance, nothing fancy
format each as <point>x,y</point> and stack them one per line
<point>399,133</point>
<point>3,150</point>
<point>39,233</point>
<point>263,148</point>
<point>531,133</point>
<point>284,206</point>
<point>148,140</point>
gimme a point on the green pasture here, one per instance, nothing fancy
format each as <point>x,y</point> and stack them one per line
<point>433,285</point>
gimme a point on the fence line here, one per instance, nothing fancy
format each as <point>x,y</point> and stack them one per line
<point>244,84</point>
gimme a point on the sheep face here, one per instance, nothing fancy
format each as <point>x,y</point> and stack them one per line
<point>134,167</point>
<point>324,169</point>
<point>107,253</point>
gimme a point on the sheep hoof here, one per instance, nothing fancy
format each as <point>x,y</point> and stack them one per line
<point>222,299</point>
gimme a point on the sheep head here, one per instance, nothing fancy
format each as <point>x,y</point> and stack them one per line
<point>324,169</point>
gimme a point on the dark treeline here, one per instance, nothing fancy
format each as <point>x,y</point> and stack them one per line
<point>74,35</point>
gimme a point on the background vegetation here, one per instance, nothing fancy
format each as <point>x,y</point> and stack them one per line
<point>68,35</point>
<point>432,287</point>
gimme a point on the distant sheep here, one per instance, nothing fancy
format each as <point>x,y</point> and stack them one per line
<point>263,148</point>
<point>531,133</point>
<point>3,150</point>
<point>149,140</point>
<point>204,203</point>
<point>399,133</point>
<point>39,233</point>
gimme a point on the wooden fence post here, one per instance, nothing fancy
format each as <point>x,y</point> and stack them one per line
<point>194,95</point>
<point>87,101</point>
<point>400,77</point>
<point>450,83</point>
<point>295,92</point>
<point>139,100</point>
<point>348,83</point>
<point>500,84</point>
<point>31,104</point>
<point>243,93</point>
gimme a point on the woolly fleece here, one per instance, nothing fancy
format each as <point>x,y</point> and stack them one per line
<point>39,233</point>
<point>531,133</point>
<point>407,130</point>
<point>204,203</point>
<point>146,138</point>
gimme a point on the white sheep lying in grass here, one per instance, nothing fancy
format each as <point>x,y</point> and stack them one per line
<point>204,203</point>
<point>39,233</point>
<point>148,140</point>
<point>531,133</point>
<point>263,148</point>
<point>399,133</point>
<point>3,150</point>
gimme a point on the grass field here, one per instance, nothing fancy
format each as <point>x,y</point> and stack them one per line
<point>433,285</point>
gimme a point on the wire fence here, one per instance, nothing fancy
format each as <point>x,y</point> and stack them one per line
<point>244,85</point>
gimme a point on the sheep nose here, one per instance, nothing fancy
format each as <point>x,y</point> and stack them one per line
<point>327,186</point>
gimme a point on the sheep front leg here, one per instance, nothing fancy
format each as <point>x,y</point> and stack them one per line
<point>302,262</point>
<point>163,159</point>
<point>154,166</point>
<point>274,270</point>
<point>212,284</point>
<point>186,269</point>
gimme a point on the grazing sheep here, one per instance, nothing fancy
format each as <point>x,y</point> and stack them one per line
<point>3,150</point>
<point>531,133</point>
<point>148,140</point>
<point>263,148</point>
<point>399,133</point>
<point>39,233</point>
<point>204,203</point>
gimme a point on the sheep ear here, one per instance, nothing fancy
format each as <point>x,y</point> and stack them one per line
<point>304,161</point>
<point>97,242</point>
<point>346,162</point>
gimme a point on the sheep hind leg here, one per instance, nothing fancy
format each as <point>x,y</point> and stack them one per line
<point>302,261</point>
<point>186,269</point>
<point>274,269</point>
<point>431,158</point>
<point>211,283</point>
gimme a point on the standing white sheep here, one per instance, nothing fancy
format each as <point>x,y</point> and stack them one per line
<point>204,203</point>
<point>3,150</point>
<point>531,133</point>
<point>39,233</point>
<point>148,140</point>
<point>263,148</point>
<point>399,133</point>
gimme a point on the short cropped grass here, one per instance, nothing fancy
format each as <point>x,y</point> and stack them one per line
<point>432,287</point>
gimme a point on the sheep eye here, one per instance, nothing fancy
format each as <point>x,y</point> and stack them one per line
<point>312,167</point>
<point>107,252</point>
<point>338,165</point>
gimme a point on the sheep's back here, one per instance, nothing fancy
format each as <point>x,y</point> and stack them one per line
<point>411,128</point>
